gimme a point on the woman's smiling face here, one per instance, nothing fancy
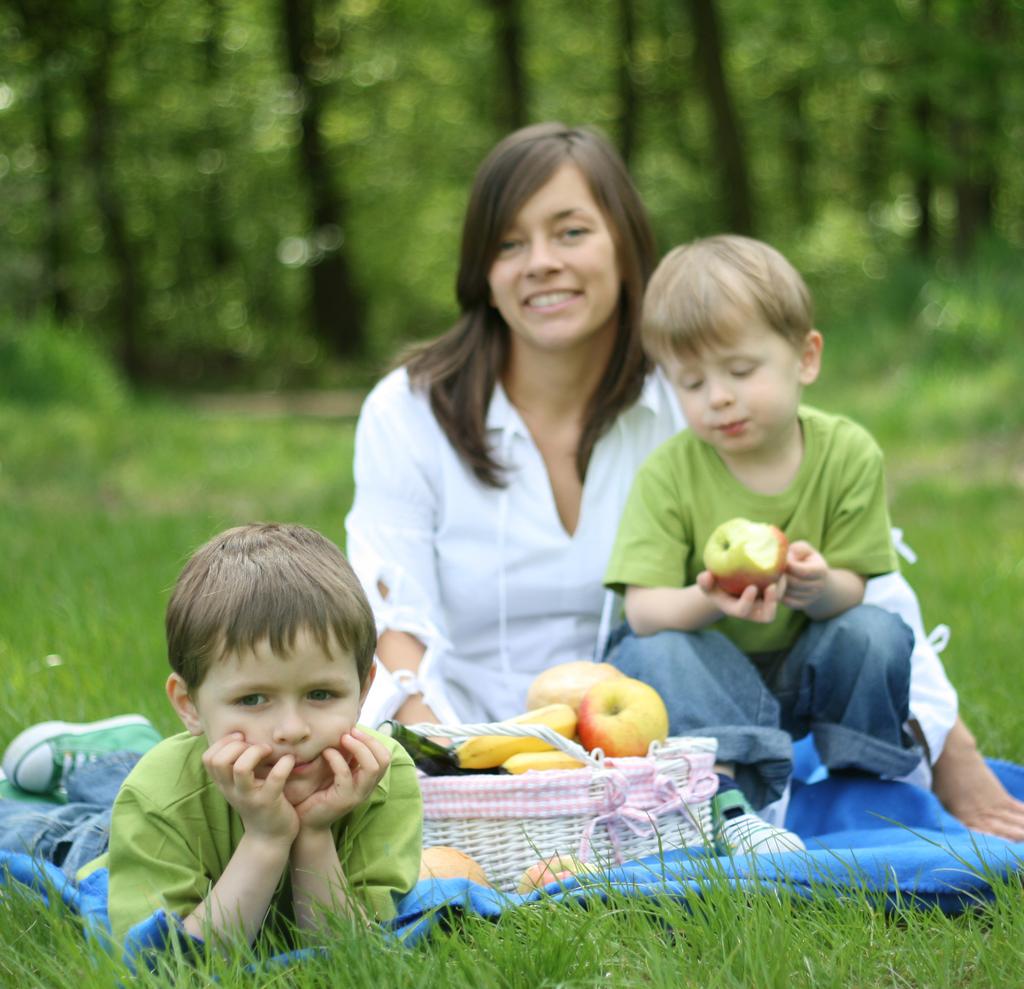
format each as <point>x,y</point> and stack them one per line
<point>555,278</point>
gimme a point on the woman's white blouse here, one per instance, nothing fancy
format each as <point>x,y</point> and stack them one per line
<point>488,578</point>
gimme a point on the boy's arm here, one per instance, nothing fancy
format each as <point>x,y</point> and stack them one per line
<point>239,900</point>
<point>688,609</point>
<point>240,897</point>
<point>319,882</point>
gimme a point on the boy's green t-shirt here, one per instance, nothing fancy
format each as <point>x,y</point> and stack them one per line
<point>684,491</point>
<point>172,834</point>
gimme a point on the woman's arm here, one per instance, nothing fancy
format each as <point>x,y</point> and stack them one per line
<point>392,532</point>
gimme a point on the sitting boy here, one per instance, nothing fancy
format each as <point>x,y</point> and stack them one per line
<point>730,322</point>
<point>273,806</point>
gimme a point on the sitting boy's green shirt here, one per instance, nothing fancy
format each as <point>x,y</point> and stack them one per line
<point>172,834</point>
<point>684,491</point>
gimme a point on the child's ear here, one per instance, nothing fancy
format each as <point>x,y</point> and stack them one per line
<point>181,701</point>
<point>810,357</point>
<point>367,682</point>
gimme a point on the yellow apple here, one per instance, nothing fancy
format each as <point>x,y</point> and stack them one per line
<point>622,717</point>
<point>566,683</point>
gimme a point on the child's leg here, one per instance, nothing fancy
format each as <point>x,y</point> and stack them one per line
<point>711,688</point>
<point>847,679</point>
<point>72,834</point>
<point>66,835</point>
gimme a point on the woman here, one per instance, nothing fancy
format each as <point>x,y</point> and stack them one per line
<point>492,466</point>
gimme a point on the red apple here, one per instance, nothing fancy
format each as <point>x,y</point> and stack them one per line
<point>554,869</point>
<point>622,717</point>
<point>740,553</point>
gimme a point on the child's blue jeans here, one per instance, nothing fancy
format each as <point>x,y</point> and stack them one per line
<point>72,834</point>
<point>846,679</point>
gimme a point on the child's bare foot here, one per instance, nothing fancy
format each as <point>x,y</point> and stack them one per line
<point>971,792</point>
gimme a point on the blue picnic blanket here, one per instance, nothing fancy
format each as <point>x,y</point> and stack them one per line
<point>889,840</point>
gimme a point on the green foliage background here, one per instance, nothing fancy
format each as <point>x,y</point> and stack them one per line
<point>851,118</point>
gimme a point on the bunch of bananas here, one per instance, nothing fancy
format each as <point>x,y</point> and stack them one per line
<point>517,755</point>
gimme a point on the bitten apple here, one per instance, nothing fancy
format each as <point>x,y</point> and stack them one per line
<point>622,717</point>
<point>740,553</point>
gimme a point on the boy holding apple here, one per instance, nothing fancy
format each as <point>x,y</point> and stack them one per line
<point>730,322</point>
<point>273,808</point>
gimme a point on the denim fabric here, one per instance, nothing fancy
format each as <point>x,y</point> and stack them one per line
<point>71,834</point>
<point>846,679</point>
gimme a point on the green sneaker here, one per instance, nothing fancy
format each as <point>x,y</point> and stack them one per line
<point>739,831</point>
<point>41,757</point>
<point>8,791</point>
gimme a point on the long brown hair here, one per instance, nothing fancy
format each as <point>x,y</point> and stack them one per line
<point>460,368</point>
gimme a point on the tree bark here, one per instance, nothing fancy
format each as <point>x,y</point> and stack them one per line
<point>798,152</point>
<point>974,135</point>
<point>924,184</point>
<point>219,246</point>
<point>336,304</point>
<point>128,306</point>
<point>512,98</point>
<point>628,102</point>
<point>38,26</point>
<point>56,253</point>
<point>733,173</point>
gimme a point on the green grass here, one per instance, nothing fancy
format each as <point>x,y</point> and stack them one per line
<point>102,499</point>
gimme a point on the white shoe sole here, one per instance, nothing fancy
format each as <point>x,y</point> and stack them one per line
<point>31,738</point>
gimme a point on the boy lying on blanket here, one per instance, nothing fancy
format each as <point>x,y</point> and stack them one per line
<point>273,808</point>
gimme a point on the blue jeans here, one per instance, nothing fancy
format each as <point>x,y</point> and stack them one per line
<point>846,679</point>
<point>71,834</point>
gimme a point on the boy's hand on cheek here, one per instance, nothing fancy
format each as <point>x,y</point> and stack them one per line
<point>358,763</point>
<point>751,605</point>
<point>232,763</point>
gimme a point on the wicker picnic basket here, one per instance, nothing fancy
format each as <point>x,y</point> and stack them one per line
<point>609,812</point>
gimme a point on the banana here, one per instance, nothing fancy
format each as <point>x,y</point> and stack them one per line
<point>488,751</point>
<point>523,762</point>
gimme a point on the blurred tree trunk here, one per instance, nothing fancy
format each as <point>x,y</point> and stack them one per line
<point>512,98</point>
<point>38,26</point>
<point>923,114</point>
<point>924,184</point>
<point>99,145</point>
<point>219,247</point>
<point>337,307</point>
<point>628,102</point>
<point>871,151</point>
<point>56,242</point>
<point>798,151</point>
<point>732,170</point>
<point>975,129</point>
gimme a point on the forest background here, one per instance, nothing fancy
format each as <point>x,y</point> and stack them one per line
<point>225,193</point>
<point>229,196</point>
